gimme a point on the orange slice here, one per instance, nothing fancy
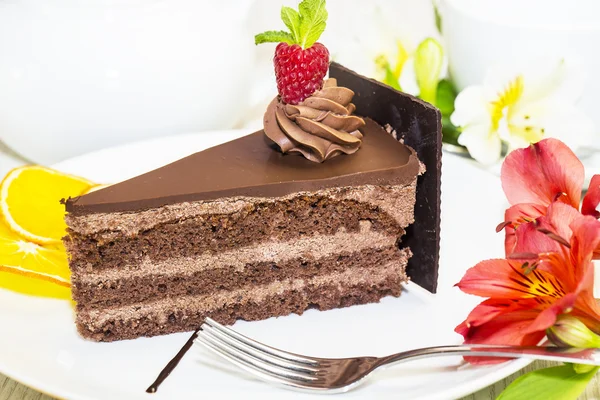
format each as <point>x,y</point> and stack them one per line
<point>33,284</point>
<point>31,268</point>
<point>30,201</point>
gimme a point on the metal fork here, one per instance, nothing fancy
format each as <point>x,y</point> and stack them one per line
<point>338,375</point>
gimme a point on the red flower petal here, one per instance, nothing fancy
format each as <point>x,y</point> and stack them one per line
<point>592,198</point>
<point>528,238</point>
<point>462,329</point>
<point>547,318</point>
<point>510,279</point>
<point>587,310</point>
<point>572,267</point>
<point>542,173</point>
<point>489,309</point>
<point>517,215</point>
<point>559,218</point>
<point>584,242</point>
<point>586,307</point>
<point>507,329</point>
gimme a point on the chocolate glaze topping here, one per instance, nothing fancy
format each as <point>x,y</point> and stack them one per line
<point>248,166</point>
<point>320,127</point>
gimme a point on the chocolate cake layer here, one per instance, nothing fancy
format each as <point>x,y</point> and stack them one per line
<point>249,167</point>
<point>186,313</point>
<point>94,293</point>
<point>312,246</point>
<point>254,223</point>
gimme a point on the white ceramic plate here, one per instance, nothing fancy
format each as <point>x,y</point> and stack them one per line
<point>40,347</point>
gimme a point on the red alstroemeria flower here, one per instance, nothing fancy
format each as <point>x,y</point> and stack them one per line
<point>526,295</point>
<point>536,177</point>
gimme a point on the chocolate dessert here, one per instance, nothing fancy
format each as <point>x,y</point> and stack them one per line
<point>245,231</point>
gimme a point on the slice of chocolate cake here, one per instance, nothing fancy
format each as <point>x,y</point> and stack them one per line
<point>244,231</point>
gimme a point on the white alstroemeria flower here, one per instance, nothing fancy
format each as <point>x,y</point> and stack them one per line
<point>369,38</point>
<point>414,70</point>
<point>397,68</point>
<point>522,108</point>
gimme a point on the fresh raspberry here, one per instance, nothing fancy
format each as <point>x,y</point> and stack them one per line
<point>299,72</point>
<point>300,62</point>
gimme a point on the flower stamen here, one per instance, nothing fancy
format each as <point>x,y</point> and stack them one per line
<point>559,195</point>
<point>502,225</point>
<point>536,283</point>
<point>522,256</point>
<point>555,237</point>
<point>507,98</point>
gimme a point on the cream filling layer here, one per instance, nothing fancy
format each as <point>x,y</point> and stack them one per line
<point>396,200</point>
<point>160,309</point>
<point>309,247</point>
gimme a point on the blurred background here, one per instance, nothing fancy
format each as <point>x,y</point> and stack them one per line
<point>76,76</point>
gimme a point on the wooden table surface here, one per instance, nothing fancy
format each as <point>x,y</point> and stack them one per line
<point>11,390</point>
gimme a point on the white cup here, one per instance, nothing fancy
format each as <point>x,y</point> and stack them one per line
<point>79,75</point>
<point>483,33</point>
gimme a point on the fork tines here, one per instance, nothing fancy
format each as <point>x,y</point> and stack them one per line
<point>265,362</point>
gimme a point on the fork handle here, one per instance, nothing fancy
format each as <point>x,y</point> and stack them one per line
<point>547,353</point>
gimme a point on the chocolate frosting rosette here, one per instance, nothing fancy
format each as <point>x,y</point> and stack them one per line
<point>320,127</point>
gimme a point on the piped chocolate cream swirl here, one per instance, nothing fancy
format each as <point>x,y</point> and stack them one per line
<point>320,127</point>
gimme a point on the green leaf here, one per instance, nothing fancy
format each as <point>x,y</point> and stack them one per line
<point>274,36</point>
<point>313,20</point>
<point>390,78</point>
<point>445,97</point>
<point>291,19</point>
<point>438,16</point>
<point>582,368</point>
<point>429,58</point>
<point>556,383</point>
<point>450,133</point>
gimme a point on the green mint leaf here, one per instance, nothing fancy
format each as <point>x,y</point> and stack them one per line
<point>556,383</point>
<point>291,19</point>
<point>313,20</point>
<point>429,58</point>
<point>274,36</point>
<point>445,97</point>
